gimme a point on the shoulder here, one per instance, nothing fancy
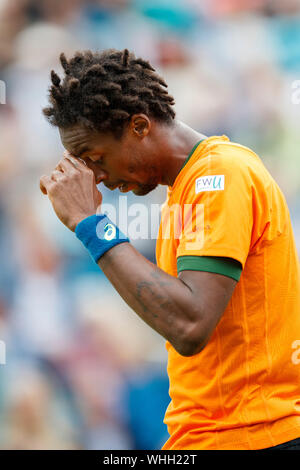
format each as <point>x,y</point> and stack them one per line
<point>223,164</point>
<point>227,157</point>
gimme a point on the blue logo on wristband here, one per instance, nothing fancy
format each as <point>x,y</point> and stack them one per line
<point>109,232</point>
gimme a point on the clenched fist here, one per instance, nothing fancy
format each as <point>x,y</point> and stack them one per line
<point>72,191</point>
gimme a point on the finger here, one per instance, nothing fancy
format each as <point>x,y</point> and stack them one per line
<point>68,166</point>
<point>74,161</point>
<point>59,166</point>
<point>82,161</point>
<point>67,154</point>
<point>45,182</point>
<point>56,175</point>
<point>77,161</point>
<point>63,165</point>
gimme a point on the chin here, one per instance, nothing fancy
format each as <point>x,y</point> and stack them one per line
<point>145,189</point>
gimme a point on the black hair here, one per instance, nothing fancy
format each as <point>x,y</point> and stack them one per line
<point>103,90</point>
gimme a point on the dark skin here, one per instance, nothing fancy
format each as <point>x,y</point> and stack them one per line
<point>184,310</point>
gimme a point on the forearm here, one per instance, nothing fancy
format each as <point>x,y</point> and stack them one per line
<point>164,302</point>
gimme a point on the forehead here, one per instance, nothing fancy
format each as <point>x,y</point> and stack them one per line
<point>77,139</point>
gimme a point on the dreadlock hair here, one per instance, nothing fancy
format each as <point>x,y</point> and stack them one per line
<point>103,90</point>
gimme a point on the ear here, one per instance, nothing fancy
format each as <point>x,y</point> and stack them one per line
<point>140,125</point>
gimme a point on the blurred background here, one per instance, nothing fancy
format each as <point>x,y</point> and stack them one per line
<point>82,371</point>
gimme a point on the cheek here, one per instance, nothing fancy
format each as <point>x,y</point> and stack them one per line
<point>136,164</point>
<point>131,168</point>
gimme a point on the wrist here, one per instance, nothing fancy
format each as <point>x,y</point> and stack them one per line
<point>99,234</point>
<point>81,218</point>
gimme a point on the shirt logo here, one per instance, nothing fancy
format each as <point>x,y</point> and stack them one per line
<point>210,183</point>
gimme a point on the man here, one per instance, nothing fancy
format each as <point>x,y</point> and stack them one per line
<point>225,294</point>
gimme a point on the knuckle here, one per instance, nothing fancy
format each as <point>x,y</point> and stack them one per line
<point>90,173</point>
<point>53,189</point>
<point>74,174</point>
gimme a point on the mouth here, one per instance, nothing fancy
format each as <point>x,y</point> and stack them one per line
<point>126,187</point>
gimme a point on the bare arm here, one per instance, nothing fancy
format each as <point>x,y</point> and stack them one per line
<point>183,310</point>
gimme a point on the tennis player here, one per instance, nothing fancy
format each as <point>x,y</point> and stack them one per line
<point>225,293</point>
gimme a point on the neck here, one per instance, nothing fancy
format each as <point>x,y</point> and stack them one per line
<point>175,143</point>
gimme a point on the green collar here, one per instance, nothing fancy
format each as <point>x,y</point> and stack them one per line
<point>191,153</point>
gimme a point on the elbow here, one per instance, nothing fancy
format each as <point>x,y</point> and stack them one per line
<point>192,342</point>
<point>188,349</point>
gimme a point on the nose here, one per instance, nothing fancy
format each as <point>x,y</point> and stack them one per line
<point>100,174</point>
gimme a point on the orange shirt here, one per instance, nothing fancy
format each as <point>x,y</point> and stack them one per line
<point>242,391</point>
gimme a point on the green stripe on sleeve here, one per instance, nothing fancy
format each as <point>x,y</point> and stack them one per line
<point>213,264</point>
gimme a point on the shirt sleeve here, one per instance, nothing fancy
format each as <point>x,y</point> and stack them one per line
<point>217,215</point>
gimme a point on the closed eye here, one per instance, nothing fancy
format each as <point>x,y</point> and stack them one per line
<point>99,161</point>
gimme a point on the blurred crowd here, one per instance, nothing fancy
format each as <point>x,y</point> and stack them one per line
<point>82,371</point>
